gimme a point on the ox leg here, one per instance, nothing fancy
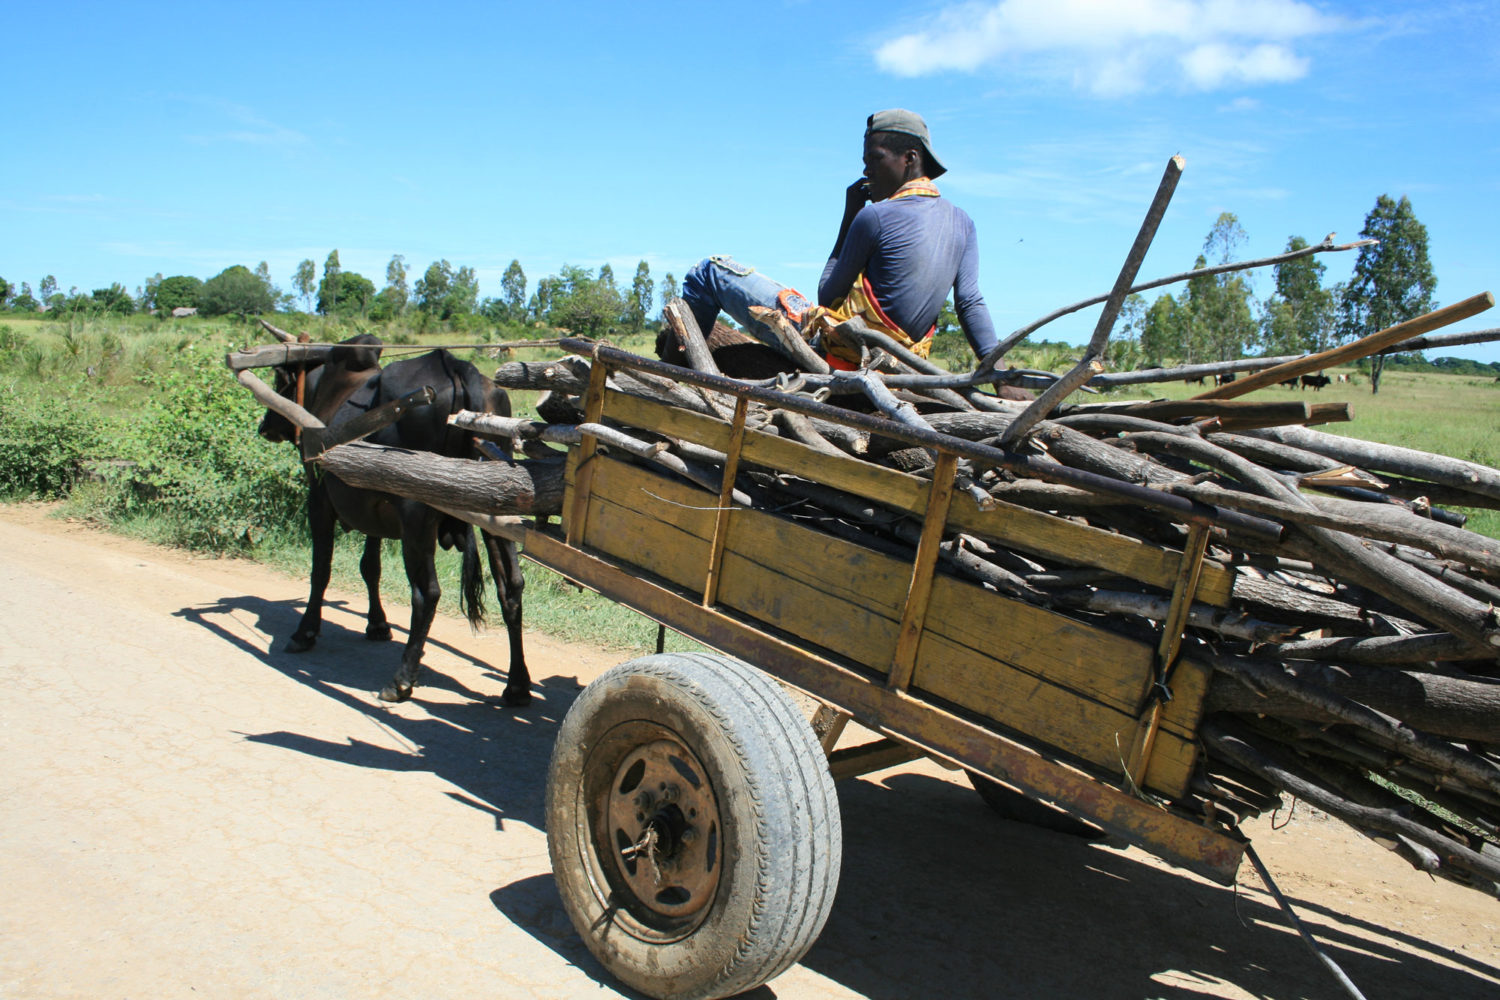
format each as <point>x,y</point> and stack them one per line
<point>320,526</point>
<point>418,551</point>
<point>377,629</point>
<point>505,567</point>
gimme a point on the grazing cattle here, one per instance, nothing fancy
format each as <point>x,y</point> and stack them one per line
<point>1317,382</point>
<point>350,383</point>
<point>1290,383</point>
<point>1224,379</point>
<point>1343,376</point>
<point>1193,381</point>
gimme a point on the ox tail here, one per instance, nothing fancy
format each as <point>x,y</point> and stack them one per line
<point>471,583</point>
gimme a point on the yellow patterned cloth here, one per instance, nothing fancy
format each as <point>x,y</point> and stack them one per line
<point>861,302</point>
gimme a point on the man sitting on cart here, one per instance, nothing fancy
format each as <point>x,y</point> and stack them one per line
<point>893,264</point>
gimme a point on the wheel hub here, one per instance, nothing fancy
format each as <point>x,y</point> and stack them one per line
<point>663,823</point>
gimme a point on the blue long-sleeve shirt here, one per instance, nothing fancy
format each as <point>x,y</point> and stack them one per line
<point>914,250</point>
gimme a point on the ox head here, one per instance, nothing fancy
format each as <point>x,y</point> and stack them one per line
<point>325,383</point>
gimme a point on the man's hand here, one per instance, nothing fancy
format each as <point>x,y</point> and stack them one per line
<point>856,196</point>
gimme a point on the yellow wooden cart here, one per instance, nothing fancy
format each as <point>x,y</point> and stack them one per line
<point>692,820</point>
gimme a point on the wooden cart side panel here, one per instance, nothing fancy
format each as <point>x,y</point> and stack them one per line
<point>1034,671</point>
<point>1179,840</point>
<point>1017,527</point>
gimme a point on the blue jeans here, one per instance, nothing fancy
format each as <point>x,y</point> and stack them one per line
<point>722,284</point>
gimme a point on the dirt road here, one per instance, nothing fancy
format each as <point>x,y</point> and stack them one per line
<point>187,811</point>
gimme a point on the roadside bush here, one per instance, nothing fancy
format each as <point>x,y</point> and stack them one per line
<point>198,464</point>
<point>43,442</point>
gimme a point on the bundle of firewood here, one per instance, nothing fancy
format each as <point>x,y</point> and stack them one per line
<point>1357,666</point>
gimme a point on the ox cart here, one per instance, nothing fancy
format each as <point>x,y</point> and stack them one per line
<point>691,815</point>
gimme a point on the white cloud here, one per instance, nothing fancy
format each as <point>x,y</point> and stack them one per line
<point>1115,47</point>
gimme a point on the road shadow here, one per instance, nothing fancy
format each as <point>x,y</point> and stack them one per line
<point>497,756</point>
<point>938,896</point>
<point>986,907</point>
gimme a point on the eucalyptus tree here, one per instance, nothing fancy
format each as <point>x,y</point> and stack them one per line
<point>1393,280</point>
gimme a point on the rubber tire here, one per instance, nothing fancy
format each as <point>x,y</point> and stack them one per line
<point>779,824</point>
<point>1021,808</point>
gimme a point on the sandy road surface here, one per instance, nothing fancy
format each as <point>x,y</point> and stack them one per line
<point>185,811</point>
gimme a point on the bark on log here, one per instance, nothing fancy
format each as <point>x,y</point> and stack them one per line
<point>1456,708</point>
<point>1355,559</point>
<point>526,487</point>
<point>1452,472</point>
<point>680,318</point>
<point>790,339</point>
<point>1392,734</point>
<point>1380,650</point>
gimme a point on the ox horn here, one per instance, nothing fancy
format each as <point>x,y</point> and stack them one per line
<point>278,333</point>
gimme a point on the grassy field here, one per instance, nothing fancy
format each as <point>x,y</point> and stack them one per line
<point>115,368</point>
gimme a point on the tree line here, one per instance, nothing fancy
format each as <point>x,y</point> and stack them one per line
<point>1213,318</point>
<point>587,302</point>
<point>1216,317</point>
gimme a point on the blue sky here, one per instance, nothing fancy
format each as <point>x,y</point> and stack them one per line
<point>185,138</point>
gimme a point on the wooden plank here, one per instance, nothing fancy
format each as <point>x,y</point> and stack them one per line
<point>1096,662</point>
<point>578,509</point>
<point>919,590</point>
<point>726,499</point>
<point>1105,666</point>
<point>1015,527</point>
<point>1208,851</point>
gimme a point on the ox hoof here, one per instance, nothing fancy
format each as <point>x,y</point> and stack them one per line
<point>393,693</point>
<point>515,699</point>
<point>300,643</point>
<point>378,633</point>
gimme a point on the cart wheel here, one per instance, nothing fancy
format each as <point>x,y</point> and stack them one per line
<point>1022,808</point>
<point>693,825</point>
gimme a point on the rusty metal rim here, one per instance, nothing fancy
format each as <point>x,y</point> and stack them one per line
<point>654,829</point>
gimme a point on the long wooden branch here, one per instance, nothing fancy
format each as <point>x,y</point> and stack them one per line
<point>1088,366</point>
<point>1424,596</point>
<point>272,400</point>
<point>1390,733</point>
<point>791,340</point>
<point>1361,348</point>
<point>1327,246</point>
<point>1440,469</point>
<point>1259,757</point>
<point>1455,708</point>
<point>680,318</point>
<point>1380,521</point>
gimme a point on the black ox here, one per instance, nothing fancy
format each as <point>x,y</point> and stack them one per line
<point>350,383</point>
